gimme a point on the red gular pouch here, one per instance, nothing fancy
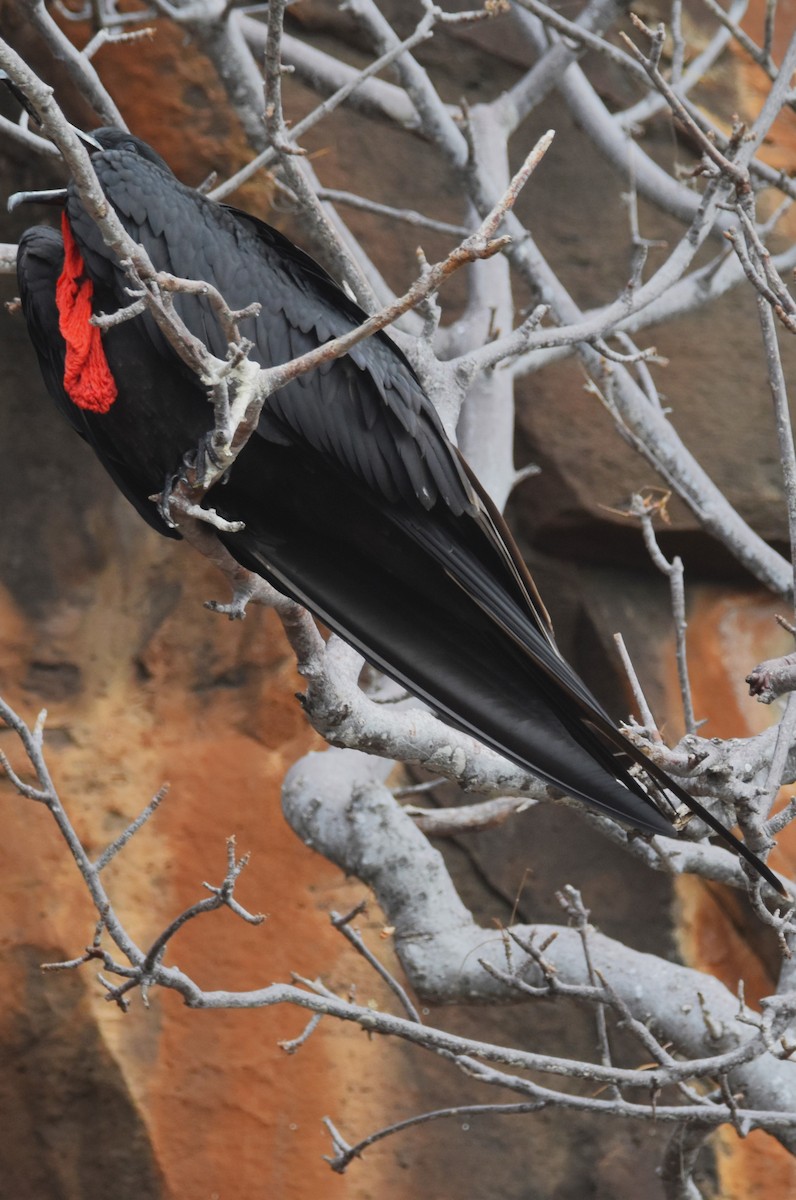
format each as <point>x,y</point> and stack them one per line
<point>87,377</point>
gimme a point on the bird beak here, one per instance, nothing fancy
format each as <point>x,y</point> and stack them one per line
<point>87,139</point>
<point>18,94</point>
<point>54,196</point>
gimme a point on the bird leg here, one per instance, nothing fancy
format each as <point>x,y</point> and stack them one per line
<point>199,463</point>
<point>163,500</point>
<point>184,490</point>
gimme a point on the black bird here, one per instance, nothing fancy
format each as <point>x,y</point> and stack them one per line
<point>353,499</point>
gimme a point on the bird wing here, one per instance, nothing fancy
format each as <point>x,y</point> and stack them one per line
<point>365,414</point>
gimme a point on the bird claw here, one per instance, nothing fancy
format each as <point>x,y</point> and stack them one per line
<point>200,462</point>
<point>195,465</point>
<point>164,499</point>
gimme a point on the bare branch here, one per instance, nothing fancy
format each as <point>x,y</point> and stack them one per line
<point>345,1154</point>
<point>78,64</point>
<point>468,818</point>
<point>645,712</point>
<point>643,507</point>
<point>343,925</point>
<point>121,841</point>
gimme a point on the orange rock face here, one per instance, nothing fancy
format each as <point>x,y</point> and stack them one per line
<point>208,706</point>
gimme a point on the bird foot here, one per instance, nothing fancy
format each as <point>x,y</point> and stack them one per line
<point>202,462</point>
<point>163,501</point>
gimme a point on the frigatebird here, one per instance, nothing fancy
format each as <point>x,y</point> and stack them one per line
<point>353,500</point>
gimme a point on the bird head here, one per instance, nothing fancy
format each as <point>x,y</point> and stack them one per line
<point>106,138</point>
<point>111,138</point>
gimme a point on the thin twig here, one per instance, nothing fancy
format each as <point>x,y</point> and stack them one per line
<point>121,841</point>
<point>645,712</point>
<point>468,818</point>
<point>342,924</point>
<point>643,508</point>
<point>294,1044</point>
<point>345,1154</point>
